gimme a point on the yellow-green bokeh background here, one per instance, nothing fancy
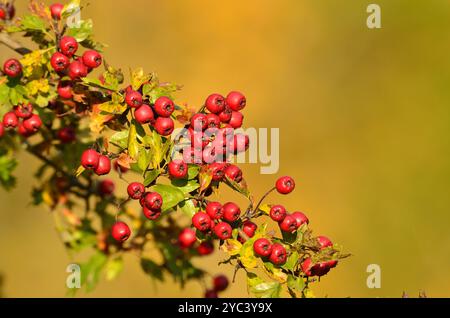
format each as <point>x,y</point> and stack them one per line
<point>364,118</point>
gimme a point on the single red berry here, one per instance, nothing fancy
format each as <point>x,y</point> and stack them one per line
<point>236,101</point>
<point>240,143</point>
<point>144,114</point>
<point>187,238</point>
<point>164,106</point>
<point>2,130</point>
<point>278,213</point>
<point>201,221</point>
<point>324,242</point>
<point>215,103</point>
<point>10,120</point>
<point>214,210</point>
<point>225,115</point>
<point>278,255</point>
<point>234,173</point>
<point>151,214</point>
<point>249,228</point>
<point>289,224</point>
<point>262,247</point>
<point>65,89</point>
<point>231,212</point>
<point>2,14</point>
<point>217,170</point>
<point>59,62</point>
<point>120,231</point>
<point>285,185</point>
<point>211,294</point>
<point>106,187</point>
<point>199,122</point>
<point>212,121</point>
<point>236,120</point>
<point>220,283</point>
<point>306,267</point>
<point>223,230</point>
<point>178,169</point>
<point>24,111</point>
<point>67,135</point>
<point>104,166</point>
<point>135,190</point>
<point>152,200</point>
<point>90,159</point>
<point>23,131</point>
<point>133,99</point>
<point>33,124</point>
<point>68,46</point>
<point>92,59</point>
<point>56,10</point>
<point>164,126</point>
<point>77,70</point>
<point>300,218</point>
<point>12,68</point>
<point>205,248</point>
<point>7,12</point>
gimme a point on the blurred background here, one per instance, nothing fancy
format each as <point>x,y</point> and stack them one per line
<point>364,118</point>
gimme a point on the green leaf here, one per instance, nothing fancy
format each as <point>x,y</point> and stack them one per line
<point>144,159</point>
<point>237,187</point>
<point>113,268</point>
<point>33,22</point>
<point>7,166</point>
<point>151,176</point>
<point>185,186</point>
<point>4,94</point>
<point>188,208</point>
<point>133,146</point>
<point>81,31</point>
<point>262,289</point>
<point>152,269</point>
<point>296,283</point>
<point>94,82</point>
<point>92,269</point>
<point>291,262</point>
<point>205,179</point>
<point>193,171</point>
<point>170,194</point>
<point>163,89</point>
<point>120,139</point>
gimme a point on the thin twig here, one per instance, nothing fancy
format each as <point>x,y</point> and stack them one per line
<point>6,40</point>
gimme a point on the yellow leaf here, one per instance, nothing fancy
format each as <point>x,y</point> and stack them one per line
<point>79,171</point>
<point>248,258</point>
<point>276,274</point>
<point>265,208</point>
<point>232,247</point>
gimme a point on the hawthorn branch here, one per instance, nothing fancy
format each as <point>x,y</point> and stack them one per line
<point>6,40</point>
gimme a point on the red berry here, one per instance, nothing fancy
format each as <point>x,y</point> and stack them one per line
<point>324,242</point>
<point>211,294</point>
<point>201,221</point>
<point>225,115</point>
<point>319,269</point>
<point>12,68</point>
<point>10,120</point>
<point>220,283</point>
<point>278,255</point>
<point>59,62</point>
<point>187,238</point>
<point>205,248</point>
<point>2,129</point>
<point>231,212</point>
<point>66,135</point>
<point>178,169</point>
<point>217,169</point>
<point>23,131</point>
<point>92,59</point>
<point>240,143</point>
<point>285,185</point>
<point>24,111</point>
<point>56,10</point>
<point>214,210</point>
<point>212,121</point>
<point>236,120</point>
<point>68,46</point>
<point>152,200</point>
<point>133,99</point>
<point>144,114</point>
<point>120,231</point>
<point>106,187</point>
<point>164,106</point>
<point>2,14</point>
<point>215,103</point>
<point>249,228</point>
<point>164,126</point>
<point>198,139</point>
<point>236,101</point>
<point>289,224</point>
<point>223,230</point>
<point>151,214</point>
<point>33,124</point>
<point>77,70</point>
<point>104,166</point>
<point>90,159</point>
<point>300,218</point>
<point>306,267</point>
<point>278,213</point>
<point>135,190</point>
<point>199,122</point>
<point>191,155</point>
<point>262,247</point>
<point>234,173</point>
<point>65,89</point>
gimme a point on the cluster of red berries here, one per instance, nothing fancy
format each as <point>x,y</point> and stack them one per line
<point>7,11</point>
<point>22,118</point>
<point>220,283</point>
<point>93,160</point>
<point>322,268</point>
<point>211,135</point>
